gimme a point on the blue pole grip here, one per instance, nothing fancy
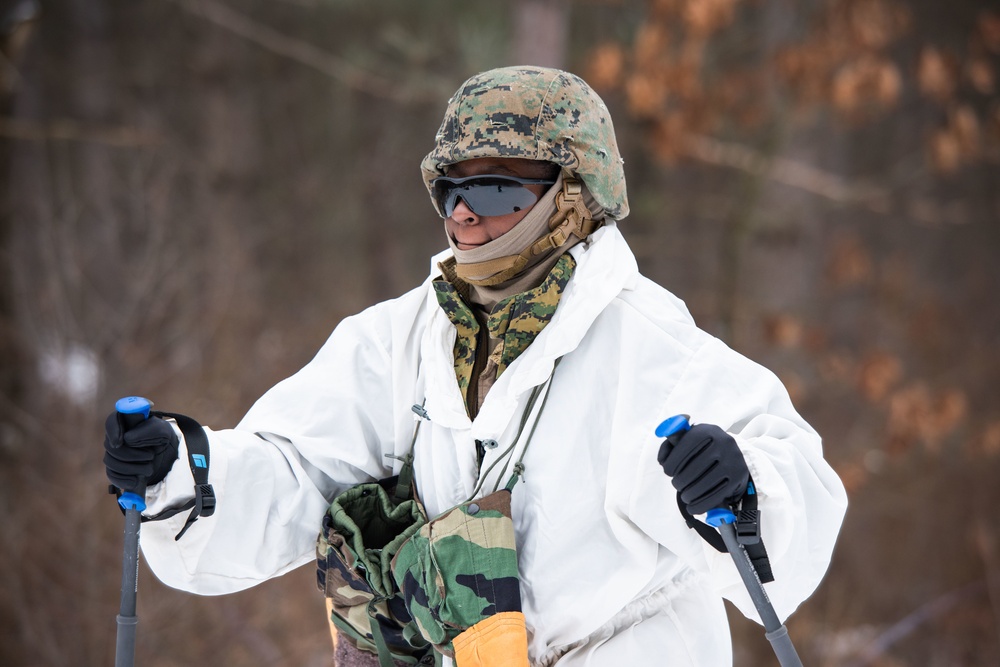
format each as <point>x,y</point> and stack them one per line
<point>134,405</point>
<point>134,410</point>
<point>676,426</point>
<point>132,501</point>
<point>719,516</point>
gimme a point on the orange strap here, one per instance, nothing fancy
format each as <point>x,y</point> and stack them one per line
<point>498,641</point>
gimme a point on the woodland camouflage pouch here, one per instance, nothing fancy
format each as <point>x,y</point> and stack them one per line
<point>459,580</point>
<point>362,530</point>
<point>405,588</point>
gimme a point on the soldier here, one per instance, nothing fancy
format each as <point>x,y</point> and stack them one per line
<point>479,454</point>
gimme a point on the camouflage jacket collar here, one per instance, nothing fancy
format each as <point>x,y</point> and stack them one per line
<point>519,318</point>
<point>515,321</point>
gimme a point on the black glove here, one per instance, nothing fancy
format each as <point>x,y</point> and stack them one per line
<point>140,455</point>
<point>706,466</point>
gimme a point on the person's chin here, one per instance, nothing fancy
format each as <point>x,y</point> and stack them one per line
<point>467,246</point>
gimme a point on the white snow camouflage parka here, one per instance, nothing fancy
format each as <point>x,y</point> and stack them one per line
<point>610,573</point>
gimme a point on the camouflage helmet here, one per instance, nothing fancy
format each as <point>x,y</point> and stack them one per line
<point>535,113</point>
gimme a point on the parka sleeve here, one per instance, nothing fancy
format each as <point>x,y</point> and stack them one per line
<point>801,499</point>
<point>311,436</point>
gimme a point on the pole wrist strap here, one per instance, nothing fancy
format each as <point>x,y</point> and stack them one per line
<point>203,503</point>
<point>747,532</point>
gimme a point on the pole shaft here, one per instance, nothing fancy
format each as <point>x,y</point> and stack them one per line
<point>776,632</point>
<point>127,619</point>
<point>132,411</point>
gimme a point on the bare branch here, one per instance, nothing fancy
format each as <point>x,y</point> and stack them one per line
<point>783,170</point>
<point>70,130</point>
<point>33,426</point>
<point>986,541</point>
<point>323,61</point>
<point>922,211</point>
<point>910,623</point>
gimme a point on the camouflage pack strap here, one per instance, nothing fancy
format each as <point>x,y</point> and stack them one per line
<point>404,486</point>
<point>384,654</point>
<point>519,466</point>
<point>572,217</point>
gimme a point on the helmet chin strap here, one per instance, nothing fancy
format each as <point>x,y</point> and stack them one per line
<point>572,218</point>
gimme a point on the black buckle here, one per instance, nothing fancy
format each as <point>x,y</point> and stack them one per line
<point>204,500</point>
<point>748,527</point>
<point>204,505</point>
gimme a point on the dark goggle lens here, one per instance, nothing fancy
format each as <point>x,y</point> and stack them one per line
<point>485,194</point>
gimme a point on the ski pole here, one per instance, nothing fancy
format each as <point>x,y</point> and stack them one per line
<point>725,521</point>
<point>133,410</point>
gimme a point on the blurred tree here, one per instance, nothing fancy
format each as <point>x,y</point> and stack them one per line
<point>197,193</point>
<point>540,32</point>
<point>17,24</point>
<point>845,154</point>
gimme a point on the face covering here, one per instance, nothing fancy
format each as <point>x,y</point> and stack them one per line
<point>520,259</point>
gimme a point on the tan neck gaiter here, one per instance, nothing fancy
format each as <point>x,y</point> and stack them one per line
<point>530,229</point>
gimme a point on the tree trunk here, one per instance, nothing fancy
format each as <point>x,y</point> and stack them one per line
<point>540,31</point>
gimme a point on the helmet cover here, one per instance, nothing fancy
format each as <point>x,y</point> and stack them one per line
<point>535,113</point>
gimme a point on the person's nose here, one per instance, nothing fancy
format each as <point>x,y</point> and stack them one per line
<point>464,215</point>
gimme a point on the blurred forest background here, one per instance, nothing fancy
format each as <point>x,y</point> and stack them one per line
<point>197,191</point>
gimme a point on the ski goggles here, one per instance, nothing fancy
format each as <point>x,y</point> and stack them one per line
<point>485,194</point>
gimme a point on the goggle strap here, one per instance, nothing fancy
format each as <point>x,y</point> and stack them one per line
<point>572,217</point>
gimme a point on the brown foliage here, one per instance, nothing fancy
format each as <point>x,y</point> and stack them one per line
<point>936,74</point>
<point>869,79</point>
<point>847,61</point>
<point>783,330</point>
<point>988,25</point>
<point>981,75</point>
<point>987,444</point>
<point>606,64</point>
<point>850,263</point>
<point>843,62</point>
<point>705,17</point>
<point>878,374</point>
<point>918,414</point>
<point>889,111</point>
